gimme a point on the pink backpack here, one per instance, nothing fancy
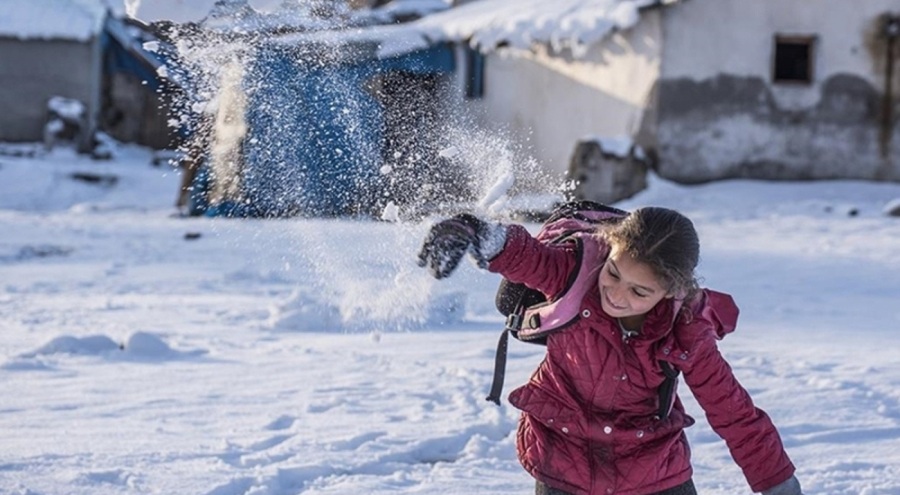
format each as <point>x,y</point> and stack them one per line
<point>531,317</point>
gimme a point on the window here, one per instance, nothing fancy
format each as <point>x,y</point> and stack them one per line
<point>474,73</point>
<point>793,59</point>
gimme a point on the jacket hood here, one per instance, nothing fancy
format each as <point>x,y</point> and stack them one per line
<point>716,309</point>
<point>720,310</point>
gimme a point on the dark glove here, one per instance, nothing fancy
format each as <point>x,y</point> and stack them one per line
<point>448,240</point>
<point>790,486</point>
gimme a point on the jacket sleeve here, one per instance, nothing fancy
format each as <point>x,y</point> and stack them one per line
<point>748,431</point>
<point>528,261</point>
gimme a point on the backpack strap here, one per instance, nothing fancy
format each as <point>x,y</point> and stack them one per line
<point>529,316</point>
<point>521,294</point>
<point>584,210</point>
<point>666,390</point>
<point>535,322</point>
<point>499,368</point>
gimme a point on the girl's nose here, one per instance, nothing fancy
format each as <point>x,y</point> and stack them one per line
<point>614,298</point>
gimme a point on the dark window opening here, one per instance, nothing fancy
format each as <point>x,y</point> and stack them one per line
<point>474,73</point>
<point>793,59</point>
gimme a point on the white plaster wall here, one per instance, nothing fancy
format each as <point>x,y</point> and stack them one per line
<point>704,38</point>
<point>548,102</point>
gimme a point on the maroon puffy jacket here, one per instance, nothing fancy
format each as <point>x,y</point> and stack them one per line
<point>589,423</point>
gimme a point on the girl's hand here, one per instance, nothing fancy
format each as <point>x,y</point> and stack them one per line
<point>448,240</point>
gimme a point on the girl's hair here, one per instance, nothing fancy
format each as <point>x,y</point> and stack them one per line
<point>664,240</point>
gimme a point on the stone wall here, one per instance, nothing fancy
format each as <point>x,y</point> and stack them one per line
<point>729,127</point>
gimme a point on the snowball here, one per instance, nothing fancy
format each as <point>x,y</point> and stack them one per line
<point>450,152</point>
<point>391,212</point>
<point>498,190</point>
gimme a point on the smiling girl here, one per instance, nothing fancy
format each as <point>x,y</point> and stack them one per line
<point>590,422</point>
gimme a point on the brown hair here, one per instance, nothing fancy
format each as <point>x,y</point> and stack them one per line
<point>663,239</point>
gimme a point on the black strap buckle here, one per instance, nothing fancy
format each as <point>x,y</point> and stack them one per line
<point>514,321</point>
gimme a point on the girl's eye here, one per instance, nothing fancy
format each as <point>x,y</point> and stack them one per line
<point>638,293</point>
<point>614,275</point>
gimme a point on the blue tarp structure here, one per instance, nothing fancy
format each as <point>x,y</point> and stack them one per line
<point>124,51</point>
<point>316,129</point>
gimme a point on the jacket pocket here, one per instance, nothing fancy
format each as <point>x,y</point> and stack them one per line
<point>549,409</point>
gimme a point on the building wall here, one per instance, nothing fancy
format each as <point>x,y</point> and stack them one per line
<point>132,113</point>
<point>32,71</point>
<point>548,102</point>
<point>720,115</point>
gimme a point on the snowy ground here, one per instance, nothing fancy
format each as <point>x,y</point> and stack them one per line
<point>313,356</point>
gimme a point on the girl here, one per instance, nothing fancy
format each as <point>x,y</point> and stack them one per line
<point>590,423</point>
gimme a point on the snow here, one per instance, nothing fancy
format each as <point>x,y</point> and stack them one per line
<point>147,353</point>
<point>484,24</point>
<point>416,8</point>
<point>620,146</point>
<point>493,201</point>
<point>68,109</point>
<point>449,152</point>
<point>176,10</point>
<point>391,212</point>
<point>489,24</point>
<point>251,15</point>
<point>563,24</point>
<point>78,20</point>
<point>391,40</point>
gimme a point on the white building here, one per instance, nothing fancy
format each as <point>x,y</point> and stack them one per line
<point>78,53</point>
<point>48,48</point>
<point>779,89</point>
<point>709,89</point>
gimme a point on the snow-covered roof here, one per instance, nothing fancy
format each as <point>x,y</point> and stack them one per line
<point>414,8</point>
<point>302,16</point>
<point>239,16</point>
<point>386,40</point>
<point>52,19</point>
<point>487,24</point>
<point>245,16</point>
<point>483,24</point>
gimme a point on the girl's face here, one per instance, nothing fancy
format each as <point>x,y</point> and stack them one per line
<point>627,287</point>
